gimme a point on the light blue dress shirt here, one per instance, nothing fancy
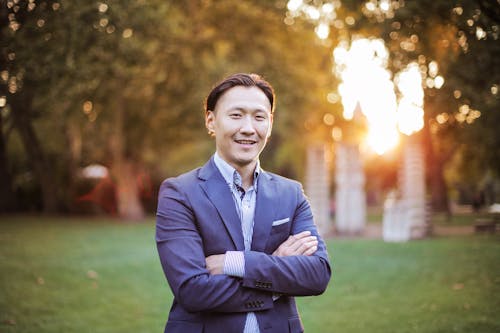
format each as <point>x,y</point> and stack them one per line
<point>244,201</point>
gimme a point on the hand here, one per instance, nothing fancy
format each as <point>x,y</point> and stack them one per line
<point>300,244</point>
<point>215,263</point>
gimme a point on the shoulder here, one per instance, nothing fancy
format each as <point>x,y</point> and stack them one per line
<point>283,182</point>
<point>181,182</point>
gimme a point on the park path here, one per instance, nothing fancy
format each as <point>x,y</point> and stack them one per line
<point>374,231</point>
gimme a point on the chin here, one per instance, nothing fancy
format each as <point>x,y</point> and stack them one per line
<point>245,160</point>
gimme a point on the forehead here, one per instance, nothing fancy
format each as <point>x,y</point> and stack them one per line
<point>242,97</point>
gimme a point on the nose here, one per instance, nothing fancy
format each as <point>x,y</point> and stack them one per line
<point>247,126</point>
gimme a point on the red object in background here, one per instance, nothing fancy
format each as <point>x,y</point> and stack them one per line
<point>104,193</point>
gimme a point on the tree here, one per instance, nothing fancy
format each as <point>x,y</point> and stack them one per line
<point>20,78</point>
<point>453,38</point>
<point>121,83</point>
<point>457,49</point>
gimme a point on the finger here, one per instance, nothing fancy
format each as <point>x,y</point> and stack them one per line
<point>300,242</point>
<point>296,247</point>
<point>311,250</point>
<point>306,246</point>
<point>293,242</point>
<point>294,238</point>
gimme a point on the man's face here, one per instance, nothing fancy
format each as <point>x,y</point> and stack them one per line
<point>242,123</point>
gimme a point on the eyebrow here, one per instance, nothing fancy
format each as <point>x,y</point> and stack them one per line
<point>241,108</point>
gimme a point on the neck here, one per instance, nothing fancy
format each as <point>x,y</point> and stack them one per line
<point>247,173</point>
<point>245,170</point>
<point>246,176</point>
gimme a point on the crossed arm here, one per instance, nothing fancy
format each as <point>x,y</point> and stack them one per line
<point>300,244</point>
<point>299,266</point>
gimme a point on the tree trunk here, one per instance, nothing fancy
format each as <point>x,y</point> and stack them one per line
<point>127,191</point>
<point>21,110</point>
<point>435,174</point>
<point>439,190</point>
<point>7,198</point>
<point>122,169</point>
<point>73,157</point>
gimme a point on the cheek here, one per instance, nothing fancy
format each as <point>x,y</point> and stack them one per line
<point>265,130</point>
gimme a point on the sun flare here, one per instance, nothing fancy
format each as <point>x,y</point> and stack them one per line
<point>366,81</point>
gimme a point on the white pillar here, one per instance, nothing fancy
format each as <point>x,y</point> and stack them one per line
<point>413,188</point>
<point>405,216</point>
<point>350,197</point>
<point>317,186</point>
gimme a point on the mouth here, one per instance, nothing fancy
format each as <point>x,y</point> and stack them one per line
<point>246,142</point>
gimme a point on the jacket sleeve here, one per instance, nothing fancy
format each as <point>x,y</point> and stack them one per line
<point>180,248</point>
<point>292,275</point>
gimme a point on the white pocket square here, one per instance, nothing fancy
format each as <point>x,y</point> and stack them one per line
<point>278,222</point>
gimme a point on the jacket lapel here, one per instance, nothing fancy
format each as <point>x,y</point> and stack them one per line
<point>264,211</point>
<point>221,197</point>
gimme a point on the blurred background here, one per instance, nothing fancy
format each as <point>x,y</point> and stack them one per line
<point>387,111</point>
<point>101,100</point>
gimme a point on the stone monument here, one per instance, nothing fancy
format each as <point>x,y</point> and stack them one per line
<point>405,210</point>
<point>317,186</point>
<point>350,197</point>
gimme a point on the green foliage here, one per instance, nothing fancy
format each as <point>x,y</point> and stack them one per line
<point>463,39</point>
<point>87,77</point>
<point>77,275</point>
<point>134,75</point>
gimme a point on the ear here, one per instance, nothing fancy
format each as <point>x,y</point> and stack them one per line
<point>271,118</point>
<point>209,122</point>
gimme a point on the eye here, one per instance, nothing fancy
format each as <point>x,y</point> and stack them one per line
<point>260,117</point>
<point>235,115</point>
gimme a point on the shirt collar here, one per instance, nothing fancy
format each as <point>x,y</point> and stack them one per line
<point>228,171</point>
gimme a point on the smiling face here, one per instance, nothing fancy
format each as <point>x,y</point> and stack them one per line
<point>241,122</point>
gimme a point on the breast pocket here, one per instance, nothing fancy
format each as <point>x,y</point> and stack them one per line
<point>279,234</point>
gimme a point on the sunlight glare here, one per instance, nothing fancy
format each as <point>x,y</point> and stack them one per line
<point>382,143</point>
<point>294,5</point>
<point>410,112</point>
<point>438,82</point>
<point>322,30</point>
<point>385,5</point>
<point>312,13</point>
<point>366,80</point>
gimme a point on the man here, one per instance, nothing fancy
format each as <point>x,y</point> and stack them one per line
<point>237,243</point>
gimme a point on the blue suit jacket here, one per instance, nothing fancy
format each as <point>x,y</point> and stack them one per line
<point>197,217</point>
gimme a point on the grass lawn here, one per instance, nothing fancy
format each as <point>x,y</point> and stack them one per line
<point>91,275</point>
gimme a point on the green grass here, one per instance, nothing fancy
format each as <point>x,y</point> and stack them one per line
<point>89,275</point>
<point>375,215</point>
<point>462,219</point>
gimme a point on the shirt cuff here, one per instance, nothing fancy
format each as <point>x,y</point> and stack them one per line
<point>234,263</point>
